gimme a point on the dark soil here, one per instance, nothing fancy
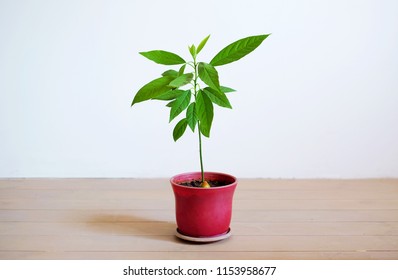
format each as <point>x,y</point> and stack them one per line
<point>198,183</point>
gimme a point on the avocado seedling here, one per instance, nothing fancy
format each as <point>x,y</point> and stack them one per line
<point>191,89</point>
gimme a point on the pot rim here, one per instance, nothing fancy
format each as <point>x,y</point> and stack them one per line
<point>173,182</point>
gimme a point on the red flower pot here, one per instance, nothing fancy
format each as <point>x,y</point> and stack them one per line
<point>203,212</point>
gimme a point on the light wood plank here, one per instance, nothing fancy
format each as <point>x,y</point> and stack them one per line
<point>168,204</point>
<point>175,255</point>
<point>162,243</point>
<point>169,216</point>
<point>96,228</point>
<point>165,193</point>
<point>304,186</point>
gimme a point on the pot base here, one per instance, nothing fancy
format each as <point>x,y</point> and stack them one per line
<point>204,239</point>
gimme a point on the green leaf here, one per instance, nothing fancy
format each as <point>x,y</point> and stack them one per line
<point>205,113</point>
<point>209,75</point>
<point>171,103</point>
<point>170,73</point>
<point>226,89</point>
<point>191,117</point>
<point>181,80</point>
<point>170,95</point>
<point>152,89</point>
<point>217,97</point>
<point>237,50</point>
<point>163,57</point>
<point>180,104</point>
<point>182,69</point>
<point>202,44</point>
<point>192,50</point>
<point>179,129</point>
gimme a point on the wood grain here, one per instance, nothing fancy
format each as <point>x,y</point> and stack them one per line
<point>134,219</point>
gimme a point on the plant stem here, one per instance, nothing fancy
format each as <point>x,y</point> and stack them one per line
<point>200,155</point>
<point>200,136</point>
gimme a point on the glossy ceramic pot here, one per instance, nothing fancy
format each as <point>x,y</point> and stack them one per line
<point>203,212</point>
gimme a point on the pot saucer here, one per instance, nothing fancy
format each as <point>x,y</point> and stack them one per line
<point>204,239</point>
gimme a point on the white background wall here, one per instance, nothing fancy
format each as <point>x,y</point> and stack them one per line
<point>318,99</point>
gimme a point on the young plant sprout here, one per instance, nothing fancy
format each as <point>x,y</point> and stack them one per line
<point>182,89</point>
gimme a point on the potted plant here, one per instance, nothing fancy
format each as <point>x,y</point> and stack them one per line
<point>203,199</point>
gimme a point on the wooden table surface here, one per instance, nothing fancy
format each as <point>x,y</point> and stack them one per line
<point>134,219</point>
